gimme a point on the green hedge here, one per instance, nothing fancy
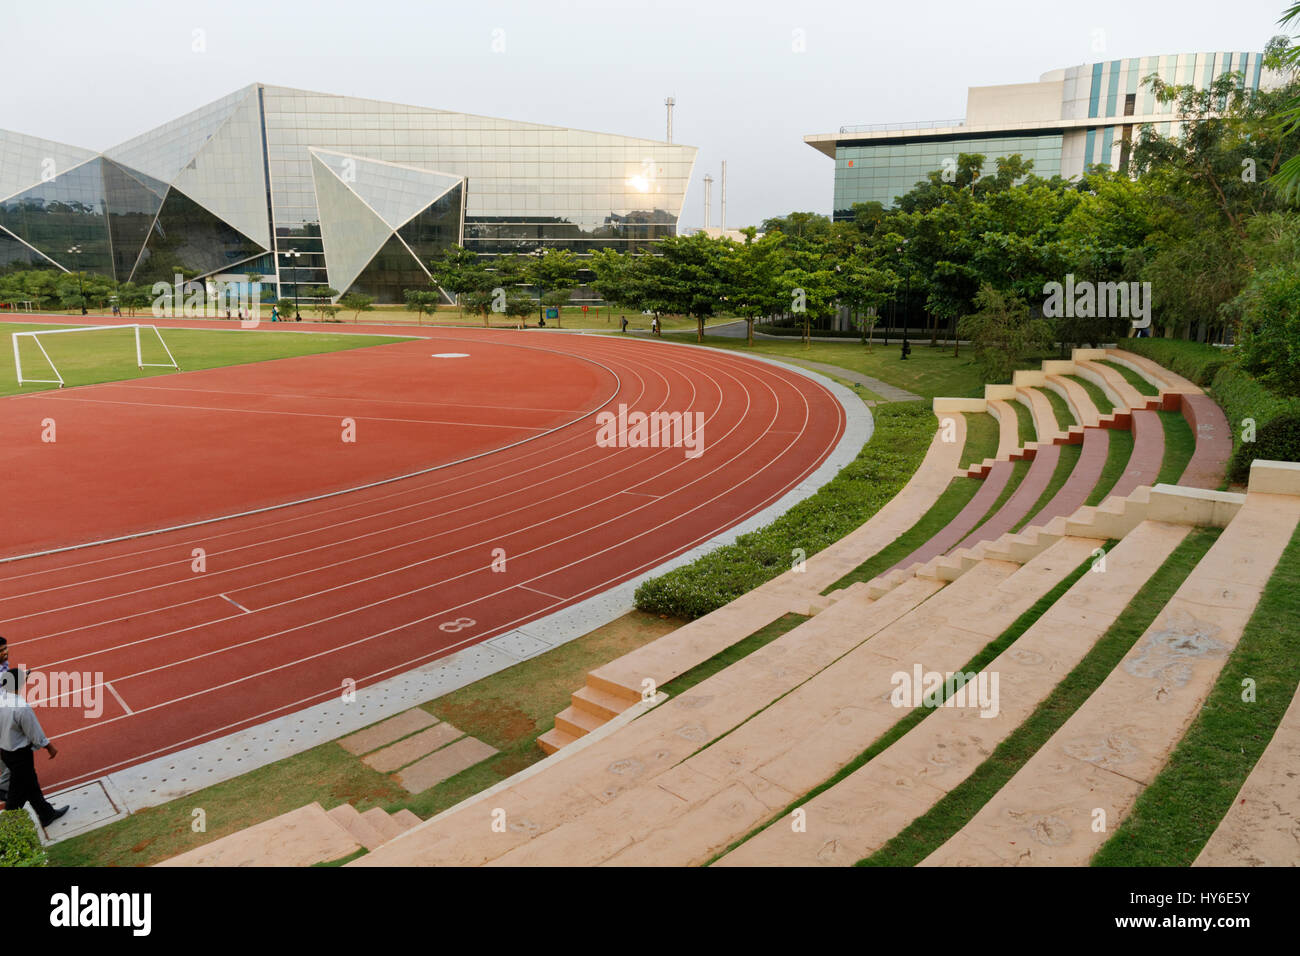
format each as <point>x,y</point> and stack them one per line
<point>1191,360</point>
<point>797,330</point>
<point>19,844</point>
<point>903,432</point>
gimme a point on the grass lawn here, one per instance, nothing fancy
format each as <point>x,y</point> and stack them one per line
<point>509,710</point>
<point>1180,443</point>
<point>1060,408</point>
<point>931,830</point>
<point>87,358</point>
<point>1104,405</point>
<point>1175,816</point>
<point>982,432</point>
<point>1025,430</point>
<point>1119,451</point>
<point>928,373</point>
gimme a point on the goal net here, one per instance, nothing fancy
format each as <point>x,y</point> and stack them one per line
<point>80,359</point>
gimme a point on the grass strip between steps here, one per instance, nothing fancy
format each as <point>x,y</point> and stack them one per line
<point>729,655</point>
<point>1119,451</point>
<point>946,507</point>
<point>1180,444</point>
<point>1174,817</point>
<point>1060,408</point>
<point>343,860</point>
<point>959,806</point>
<point>1133,378</point>
<point>1064,467</point>
<point>1104,405</point>
<point>982,434</point>
<point>917,714</point>
<point>1025,430</point>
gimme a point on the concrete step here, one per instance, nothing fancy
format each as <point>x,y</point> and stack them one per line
<point>358,827</point>
<point>405,819</point>
<point>577,722</point>
<point>382,823</point>
<point>598,702</point>
<point>554,739</point>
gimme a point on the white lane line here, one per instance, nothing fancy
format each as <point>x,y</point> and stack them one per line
<point>237,604</point>
<point>548,594</point>
<point>113,690</point>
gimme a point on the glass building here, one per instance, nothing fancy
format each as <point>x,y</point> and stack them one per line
<point>1068,121</point>
<point>313,189</point>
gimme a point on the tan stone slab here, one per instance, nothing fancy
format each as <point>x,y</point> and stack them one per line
<point>1008,428</point>
<point>1159,376</point>
<point>386,731</point>
<point>1262,827</point>
<point>1079,400</point>
<point>927,483</point>
<point>908,778</point>
<point>441,764</point>
<point>657,741</point>
<point>411,749</point>
<point>1117,742</point>
<point>1129,396</point>
<point>298,838</point>
<point>805,736</point>
<point>1045,424</point>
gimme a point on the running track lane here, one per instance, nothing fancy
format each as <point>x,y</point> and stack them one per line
<point>370,583</point>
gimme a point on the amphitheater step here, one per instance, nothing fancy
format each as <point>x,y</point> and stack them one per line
<point>598,702</point>
<point>406,819</point>
<point>382,823</point>
<point>298,838</point>
<point>350,819</point>
<point>554,739</point>
<point>1110,749</point>
<point>576,722</point>
<point>698,806</point>
<point>860,813</point>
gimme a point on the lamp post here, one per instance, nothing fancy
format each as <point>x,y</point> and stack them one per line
<point>293,255</point>
<point>539,253</point>
<point>81,288</point>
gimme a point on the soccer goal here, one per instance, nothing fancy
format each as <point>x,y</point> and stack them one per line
<point>58,376</point>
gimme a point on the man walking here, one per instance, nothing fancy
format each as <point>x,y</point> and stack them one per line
<point>20,737</point>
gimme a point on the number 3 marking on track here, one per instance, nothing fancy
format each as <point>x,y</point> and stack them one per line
<point>453,627</point>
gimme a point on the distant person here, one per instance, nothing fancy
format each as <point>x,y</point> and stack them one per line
<point>541,321</point>
<point>275,315</point>
<point>6,675</point>
<point>654,325</point>
<point>20,736</point>
<point>623,319</point>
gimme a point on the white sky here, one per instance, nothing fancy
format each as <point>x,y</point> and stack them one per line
<point>94,73</point>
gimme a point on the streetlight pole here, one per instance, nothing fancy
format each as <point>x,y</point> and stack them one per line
<point>540,253</point>
<point>293,255</point>
<point>81,288</point>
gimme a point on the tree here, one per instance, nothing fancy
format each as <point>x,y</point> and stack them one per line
<point>811,286</point>
<point>356,303</point>
<point>458,270</point>
<point>554,274</point>
<point>753,277</point>
<point>324,305</point>
<point>1280,55</point>
<point>691,277</point>
<point>421,301</point>
<point>1002,332</point>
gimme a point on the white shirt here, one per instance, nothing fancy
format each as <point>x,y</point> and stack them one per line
<point>19,727</point>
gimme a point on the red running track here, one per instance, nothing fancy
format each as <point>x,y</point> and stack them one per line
<point>367,583</point>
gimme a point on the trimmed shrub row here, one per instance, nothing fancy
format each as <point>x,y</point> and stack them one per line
<point>903,432</point>
<point>19,844</point>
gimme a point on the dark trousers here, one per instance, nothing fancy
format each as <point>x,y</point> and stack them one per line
<point>23,786</point>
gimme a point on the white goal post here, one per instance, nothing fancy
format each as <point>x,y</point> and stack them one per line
<point>58,379</point>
